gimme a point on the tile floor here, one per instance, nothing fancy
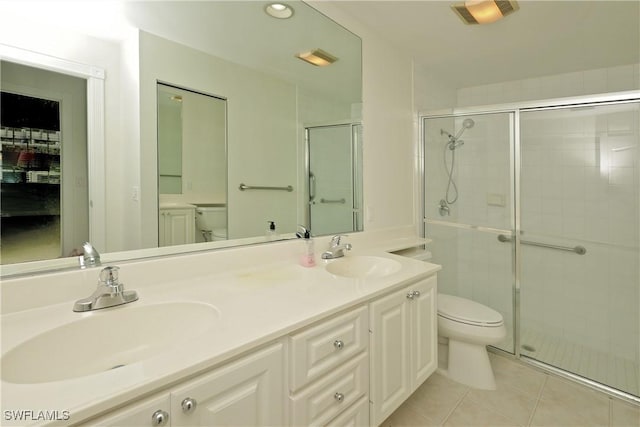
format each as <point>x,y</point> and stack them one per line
<point>525,396</point>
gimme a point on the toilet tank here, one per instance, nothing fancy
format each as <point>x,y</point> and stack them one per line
<point>209,218</point>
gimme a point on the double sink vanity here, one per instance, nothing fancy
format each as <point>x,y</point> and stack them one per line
<point>242,336</point>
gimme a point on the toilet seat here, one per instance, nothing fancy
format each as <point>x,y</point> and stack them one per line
<point>468,312</point>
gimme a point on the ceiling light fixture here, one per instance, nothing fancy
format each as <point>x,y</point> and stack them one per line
<point>317,57</point>
<point>484,11</point>
<point>279,10</point>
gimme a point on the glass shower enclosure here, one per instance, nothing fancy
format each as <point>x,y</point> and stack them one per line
<point>534,211</point>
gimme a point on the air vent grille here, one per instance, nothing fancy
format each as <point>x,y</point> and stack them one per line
<point>466,16</point>
<point>506,6</point>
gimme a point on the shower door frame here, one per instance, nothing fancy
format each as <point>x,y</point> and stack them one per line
<point>516,169</point>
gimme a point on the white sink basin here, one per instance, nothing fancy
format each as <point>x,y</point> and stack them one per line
<point>361,266</point>
<point>105,340</point>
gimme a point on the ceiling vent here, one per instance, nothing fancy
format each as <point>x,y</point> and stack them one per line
<point>484,11</point>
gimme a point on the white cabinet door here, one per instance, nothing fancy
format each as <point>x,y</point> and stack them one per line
<point>404,339</point>
<point>424,334</point>
<point>247,392</point>
<point>176,227</point>
<point>149,412</point>
<point>390,376</point>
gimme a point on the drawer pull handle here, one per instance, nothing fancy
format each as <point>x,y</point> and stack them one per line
<point>189,405</point>
<point>410,295</point>
<point>339,397</point>
<point>159,418</point>
<point>338,344</point>
<point>416,293</point>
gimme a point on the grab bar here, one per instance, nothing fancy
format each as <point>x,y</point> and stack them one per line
<point>341,201</point>
<point>580,250</point>
<point>254,187</point>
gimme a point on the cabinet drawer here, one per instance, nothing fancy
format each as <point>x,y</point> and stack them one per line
<point>141,414</point>
<point>357,415</point>
<point>321,348</point>
<point>332,394</point>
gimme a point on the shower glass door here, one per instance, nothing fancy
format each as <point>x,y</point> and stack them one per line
<point>468,203</point>
<point>334,179</point>
<point>579,238</point>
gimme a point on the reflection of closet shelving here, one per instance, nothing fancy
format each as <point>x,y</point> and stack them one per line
<point>30,155</point>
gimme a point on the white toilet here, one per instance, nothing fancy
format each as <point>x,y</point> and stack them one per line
<point>465,328</point>
<point>211,222</point>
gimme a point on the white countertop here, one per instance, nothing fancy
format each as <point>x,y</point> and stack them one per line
<point>255,305</point>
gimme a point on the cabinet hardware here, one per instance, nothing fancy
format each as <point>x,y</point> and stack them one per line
<point>189,405</point>
<point>338,344</point>
<point>159,418</point>
<point>339,397</point>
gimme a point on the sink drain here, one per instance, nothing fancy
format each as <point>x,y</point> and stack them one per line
<point>527,347</point>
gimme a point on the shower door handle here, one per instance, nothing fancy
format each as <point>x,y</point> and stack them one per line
<point>580,250</point>
<point>312,188</point>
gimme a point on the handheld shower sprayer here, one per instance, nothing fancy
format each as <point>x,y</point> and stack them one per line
<point>451,145</point>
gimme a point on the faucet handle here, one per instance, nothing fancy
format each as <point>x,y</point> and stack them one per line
<point>109,276</point>
<point>335,240</point>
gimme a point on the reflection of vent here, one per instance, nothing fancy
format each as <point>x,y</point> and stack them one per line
<point>466,16</point>
<point>318,57</point>
<point>484,11</point>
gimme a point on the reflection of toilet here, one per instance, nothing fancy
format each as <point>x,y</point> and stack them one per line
<point>211,222</point>
<point>465,328</point>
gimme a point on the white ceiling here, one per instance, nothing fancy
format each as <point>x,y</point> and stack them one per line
<point>542,38</point>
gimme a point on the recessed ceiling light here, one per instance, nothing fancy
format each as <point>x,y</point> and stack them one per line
<point>317,57</point>
<point>484,11</point>
<point>279,10</point>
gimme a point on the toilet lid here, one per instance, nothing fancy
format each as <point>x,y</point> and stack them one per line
<point>467,311</point>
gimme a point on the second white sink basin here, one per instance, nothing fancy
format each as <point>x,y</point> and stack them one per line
<point>361,266</point>
<point>106,339</point>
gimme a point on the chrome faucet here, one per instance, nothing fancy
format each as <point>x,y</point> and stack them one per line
<point>110,293</point>
<point>336,250</point>
<point>90,258</point>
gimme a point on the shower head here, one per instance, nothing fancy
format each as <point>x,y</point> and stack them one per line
<point>466,124</point>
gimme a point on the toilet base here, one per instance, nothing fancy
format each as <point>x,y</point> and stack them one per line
<point>466,363</point>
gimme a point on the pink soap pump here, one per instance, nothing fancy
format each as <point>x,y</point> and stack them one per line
<point>307,255</point>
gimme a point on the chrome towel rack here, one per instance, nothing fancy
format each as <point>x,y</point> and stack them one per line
<point>580,250</point>
<point>244,187</point>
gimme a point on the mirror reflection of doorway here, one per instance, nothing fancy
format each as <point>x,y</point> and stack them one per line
<point>192,166</point>
<point>44,194</point>
<point>334,179</point>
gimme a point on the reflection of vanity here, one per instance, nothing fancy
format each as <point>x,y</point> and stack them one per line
<point>176,224</point>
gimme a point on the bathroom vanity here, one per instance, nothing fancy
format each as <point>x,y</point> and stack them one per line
<point>217,338</point>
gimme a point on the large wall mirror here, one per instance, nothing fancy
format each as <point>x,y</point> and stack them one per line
<point>176,57</point>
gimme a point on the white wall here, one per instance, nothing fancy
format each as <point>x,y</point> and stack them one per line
<point>587,82</point>
<point>388,126</point>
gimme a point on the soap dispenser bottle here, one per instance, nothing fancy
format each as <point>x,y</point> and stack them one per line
<point>271,230</point>
<point>307,253</point>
